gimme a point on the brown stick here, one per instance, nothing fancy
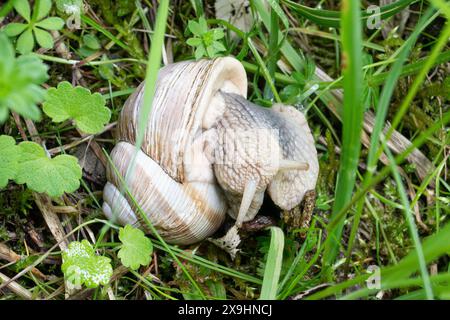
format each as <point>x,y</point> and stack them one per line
<point>16,288</point>
<point>9,255</point>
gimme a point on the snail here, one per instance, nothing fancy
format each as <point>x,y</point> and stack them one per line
<point>207,152</point>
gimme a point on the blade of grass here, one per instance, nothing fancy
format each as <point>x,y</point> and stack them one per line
<point>299,256</point>
<point>330,18</point>
<point>380,119</point>
<point>396,275</point>
<point>273,49</point>
<point>440,44</point>
<point>334,36</point>
<point>105,32</point>
<point>411,225</point>
<point>352,116</point>
<point>273,265</point>
<point>383,173</point>
<point>297,278</point>
<point>264,70</point>
<point>276,9</point>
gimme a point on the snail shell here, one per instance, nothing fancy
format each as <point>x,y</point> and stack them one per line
<point>173,181</point>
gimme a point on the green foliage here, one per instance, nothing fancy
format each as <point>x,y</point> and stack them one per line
<point>87,110</point>
<point>292,93</point>
<point>35,26</point>
<point>27,163</point>
<point>20,80</point>
<point>136,248</point>
<point>205,41</point>
<point>82,266</point>
<point>42,174</point>
<point>9,158</point>
<point>330,18</point>
<point>352,119</point>
<point>273,265</point>
<point>90,45</point>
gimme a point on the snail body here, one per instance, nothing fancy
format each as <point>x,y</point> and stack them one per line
<point>185,177</point>
<point>271,147</point>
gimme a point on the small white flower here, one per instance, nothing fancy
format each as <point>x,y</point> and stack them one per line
<point>71,9</point>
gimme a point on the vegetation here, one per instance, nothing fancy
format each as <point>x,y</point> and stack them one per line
<point>373,81</point>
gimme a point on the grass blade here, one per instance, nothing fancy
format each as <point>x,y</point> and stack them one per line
<point>411,225</point>
<point>382,109</point>
<point>330,18</point>
<point>273,265</point>
<point>352,119</point>
<point>397,275</point>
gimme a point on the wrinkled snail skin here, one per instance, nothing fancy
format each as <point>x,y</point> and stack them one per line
<point>207,151</point>
<point>252,143</point>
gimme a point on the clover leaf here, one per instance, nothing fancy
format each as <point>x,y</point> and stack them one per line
<point>42,174</point>
<point>27,163</point>
<point>82,266</point>
<point>9,157</point>
<point>205,41</point>
<point>35,26</point>
<point>136,248</point>
<point>86,109</point>
<point>20,80</point>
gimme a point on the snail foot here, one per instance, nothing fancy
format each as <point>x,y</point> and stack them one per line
<point>229,242</point>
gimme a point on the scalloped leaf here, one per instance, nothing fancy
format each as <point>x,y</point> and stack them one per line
<point>82,266</point>
<point>136,249</point>
<point>87,110</point>
<point>42,174</point>
<point>9,159</point>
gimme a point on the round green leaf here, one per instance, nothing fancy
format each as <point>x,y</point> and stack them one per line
<point>43,38</point>
<point>91,42</point>
<point>25,43</point>
<point>42,174</point>
<point>203,25</point>
<point>82,266</point>
<point>23,77</point>
<point>14,29</point>
<point>136,249</point>
<point>86,109</point>
<point>52,23</point>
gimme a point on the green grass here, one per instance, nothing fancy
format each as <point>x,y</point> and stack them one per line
<point>352,120</point>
